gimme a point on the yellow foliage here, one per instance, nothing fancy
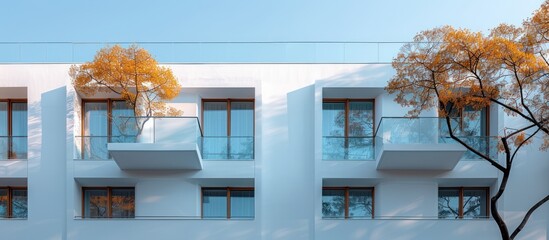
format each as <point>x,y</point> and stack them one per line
<point>133,74</point>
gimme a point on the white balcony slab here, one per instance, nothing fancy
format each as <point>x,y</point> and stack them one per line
<point>13,169</point>
<point>419,156</point>
<point>156,156</point>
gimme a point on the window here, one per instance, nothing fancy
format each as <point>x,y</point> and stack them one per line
<point>228,203</point>
<point>468,121</point>
<point>103,122</point>
<point>108,202</point>
<point>463,202</point>
<point>13,129</point>
<point>346,202</point>
<point>348,129</point>
<point>228,129</point>
<point>13,202</point>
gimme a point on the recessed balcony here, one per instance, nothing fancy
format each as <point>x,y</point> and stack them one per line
<point>420,144</point>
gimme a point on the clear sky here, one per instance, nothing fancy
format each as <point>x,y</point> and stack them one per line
<point>248,20</point>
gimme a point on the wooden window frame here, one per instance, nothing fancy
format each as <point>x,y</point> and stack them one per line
<point>228,196</point>
<point>9,101</point>
<point>486,121</point>
<point>346,194</point>
<point>347,102</point>
<point>460,195</point>
<point>109,199</point>
<point>109,102</point>
<point>228,101</point>
<point>10,199</point>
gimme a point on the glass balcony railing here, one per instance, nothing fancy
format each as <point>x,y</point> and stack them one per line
<point>208,52</point>
<point>223,147</point>
<point>348,148</point>
<point>430,130</point>
<point>13,147</point>
<point>182,130</point>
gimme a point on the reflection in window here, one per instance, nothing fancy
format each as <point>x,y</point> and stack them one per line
<point>13,202</point>
<point>347,202</point>
<point>228,203</point>
<point>105,121</point>
<point>228,129</point>
<point>13,129</point>
<point>463,203</point>
<point>109,202</point>
<point>347,129</point>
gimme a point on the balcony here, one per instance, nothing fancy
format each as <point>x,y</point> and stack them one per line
<point>421,144</point>
<point>228,148</point>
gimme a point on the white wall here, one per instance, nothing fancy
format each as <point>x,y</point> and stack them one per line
<point>288,172</point>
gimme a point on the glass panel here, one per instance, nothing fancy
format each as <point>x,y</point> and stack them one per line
<point>96,129</point>
<point>95,203</point>
<point>333,203</point>
<point>242,130</point>
<point>333,119</point>
<point>19,203</point>
<point>215,142</point>
<point>123,129</point>
<point>4,139</point>
<point>242,204</point>
<point>214,203</point>
<point>19,130</point>
<point>474,203</point>
<point>361,119</point>
<point>3,202</point>
<point>360,203</point>
<point>448,203</point>
<point>474,122</point>
<point>123,203</point>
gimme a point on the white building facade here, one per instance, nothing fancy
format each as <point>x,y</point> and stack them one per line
<point>264,151</point>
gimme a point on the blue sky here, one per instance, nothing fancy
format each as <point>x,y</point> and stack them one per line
<point>248,20</point>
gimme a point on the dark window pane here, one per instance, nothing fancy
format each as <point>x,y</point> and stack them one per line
<point>448,203</point>
<point>95,130</point>
<point>474,203</point>
<point>19,203</point>
<point>333,203</point>
<point>3,202</point>
<point>95,203</point>
<point>474,122</point>
<point>214,203</point>
<point>242,204</point>
<point>360,203</point>
<point>123,203</point>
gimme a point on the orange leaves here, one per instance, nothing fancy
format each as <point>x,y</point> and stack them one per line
<point>133,74</point>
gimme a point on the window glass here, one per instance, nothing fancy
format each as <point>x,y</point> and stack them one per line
<point>95,203</point>
<point>242,130</point>
<point>214,203</point>
<point>123,203</point>
<point>361,118</point>
<point>215,142</point>
<point>474,122</point>
<point>95,136</point>
<point>123,129</point>
<point>360,203</point>
<point>3,202</point>
<point>333,203</point>
<point>242,204</point>
<point>474,203</point>
<point>19,130</point>
<point>333,119</point>
<point>19,203</point>
<point>4,139</point>
<point>448,203</point>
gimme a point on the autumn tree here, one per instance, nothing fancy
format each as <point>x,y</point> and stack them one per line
<point>448,69</point>
<point>134,75</point>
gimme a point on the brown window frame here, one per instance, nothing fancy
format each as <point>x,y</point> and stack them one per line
<point>487,120</point>
<point>460,194</point>
<point>346,194</point>
<point>10,198</point>
<point>9,101</point>
<point>228,189</point>
<point>347,102</point>
<point>109,199</point>
<point>228,101</point>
